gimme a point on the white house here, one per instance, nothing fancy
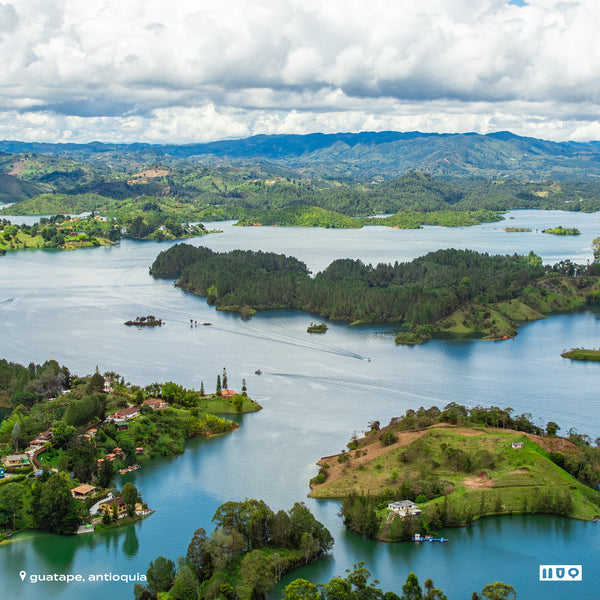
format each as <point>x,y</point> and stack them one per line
<point>404,508</point>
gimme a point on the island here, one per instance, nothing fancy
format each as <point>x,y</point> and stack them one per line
<point>436,468</point>
<point>560,230</point>
<point>149,321</point>
<point>317,328</point>
<point>460,293</point>
<point>584,354</point>
<point>515,229</point>
<point>73,435</point>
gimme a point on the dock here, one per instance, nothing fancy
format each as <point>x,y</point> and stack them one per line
<point>427,538</point>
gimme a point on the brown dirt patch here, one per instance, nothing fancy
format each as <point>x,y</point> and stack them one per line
<point>151,173</point>
<point>478,482</point>
<point>367,453</point>
<point>18,168</point>
<point>551,444</point>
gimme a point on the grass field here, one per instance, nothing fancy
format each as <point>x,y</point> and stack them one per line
<point>478,469</point>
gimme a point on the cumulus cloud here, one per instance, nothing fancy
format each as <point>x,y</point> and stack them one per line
<point>185,71</point>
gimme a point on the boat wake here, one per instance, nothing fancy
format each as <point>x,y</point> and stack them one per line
<point>289,341</point>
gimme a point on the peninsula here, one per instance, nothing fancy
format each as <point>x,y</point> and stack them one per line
<point>244,557</point>
<point>433,469</point>
<point>75,434</point>
<point>448,292</point>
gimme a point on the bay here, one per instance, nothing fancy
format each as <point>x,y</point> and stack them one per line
<point>316,390</point>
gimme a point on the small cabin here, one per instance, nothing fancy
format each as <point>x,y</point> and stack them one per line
<point>517,445</point>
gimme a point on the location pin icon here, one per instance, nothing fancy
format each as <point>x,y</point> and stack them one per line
<point>23,574</point>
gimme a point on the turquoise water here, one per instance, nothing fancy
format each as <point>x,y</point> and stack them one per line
<point>316,390</point>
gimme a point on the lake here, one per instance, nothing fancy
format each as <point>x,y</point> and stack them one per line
<point>315,390</point>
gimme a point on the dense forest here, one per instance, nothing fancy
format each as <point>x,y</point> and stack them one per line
<point>422,291</point>
<point>247,553</point>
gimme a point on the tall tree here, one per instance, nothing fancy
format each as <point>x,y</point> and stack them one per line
<point>130,496</point>
<point>498,591</point>
<point>53,506</point>
<point>160,575</point>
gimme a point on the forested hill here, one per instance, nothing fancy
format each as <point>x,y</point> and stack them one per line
<point>456,291</point>
<point>365,154</point>
<point>421,291</point>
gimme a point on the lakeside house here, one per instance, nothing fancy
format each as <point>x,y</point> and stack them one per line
<point>155,403</point>
<point>81,492</point>
<point>404,508</point>
<point>14,461</point>
<point>227,393</point>
<point>108,388</point>
<point>109,505</point>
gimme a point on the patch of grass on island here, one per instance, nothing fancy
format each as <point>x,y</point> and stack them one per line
<point>456,474</point>
<point>584,354</point>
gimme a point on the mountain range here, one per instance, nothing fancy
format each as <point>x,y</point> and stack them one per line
<point>359,156</point>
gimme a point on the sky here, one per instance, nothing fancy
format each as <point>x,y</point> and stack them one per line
<point>183,71</point>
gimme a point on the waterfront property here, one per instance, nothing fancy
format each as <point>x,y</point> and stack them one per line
<point>109,506</point>
<point>81,492</point>
<point>14,461</point>
<point>404,508</point>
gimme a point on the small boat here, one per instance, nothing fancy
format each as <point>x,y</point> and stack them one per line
<point>206,323</point>
<point>258,372</point>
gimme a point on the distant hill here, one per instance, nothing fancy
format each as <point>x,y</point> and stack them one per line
<point>13,189</point>
<point>362,155</point>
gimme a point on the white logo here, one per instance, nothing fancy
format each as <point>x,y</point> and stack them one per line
<point>561,572</point>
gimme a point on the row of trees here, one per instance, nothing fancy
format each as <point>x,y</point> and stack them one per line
<point>356,585</point>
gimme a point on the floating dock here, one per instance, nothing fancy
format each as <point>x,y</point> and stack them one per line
<point>427,538</point>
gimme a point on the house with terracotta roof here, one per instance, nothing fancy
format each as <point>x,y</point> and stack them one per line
<point>227,393</point>
<point>13,461</point>
<point>155,403</point>
<point>121,417</point>
<point>81,492</point>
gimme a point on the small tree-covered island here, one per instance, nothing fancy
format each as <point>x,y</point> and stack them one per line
<point>67,437</point>
<point>447,292</point>
<point>431,469</point>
